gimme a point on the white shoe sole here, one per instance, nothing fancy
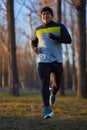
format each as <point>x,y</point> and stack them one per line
<point>48,115</point>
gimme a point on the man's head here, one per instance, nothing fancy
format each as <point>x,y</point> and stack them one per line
<point>46,15</point>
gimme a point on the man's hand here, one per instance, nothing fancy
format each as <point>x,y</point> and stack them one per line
<point>51,36</point>
<point>38,50</point>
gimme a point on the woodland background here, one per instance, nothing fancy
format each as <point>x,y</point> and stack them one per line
<point>18,68</point>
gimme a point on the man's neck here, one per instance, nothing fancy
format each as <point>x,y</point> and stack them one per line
<point>49,23</point>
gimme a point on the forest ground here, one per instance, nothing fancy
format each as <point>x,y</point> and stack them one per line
<point>26,112</point>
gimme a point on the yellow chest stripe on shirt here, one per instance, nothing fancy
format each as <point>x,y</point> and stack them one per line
<point>49,30</point>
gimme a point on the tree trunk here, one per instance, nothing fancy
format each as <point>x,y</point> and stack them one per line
<point>81,14</point>
<point>74,76</point>
<point>3,63</point>
<point>59,10</point>
<point>61,92</point>
<point>12,48</point>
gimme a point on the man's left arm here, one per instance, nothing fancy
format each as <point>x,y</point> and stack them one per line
<point>64,36</point>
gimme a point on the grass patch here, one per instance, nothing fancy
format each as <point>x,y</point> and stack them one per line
<point>26,113</point>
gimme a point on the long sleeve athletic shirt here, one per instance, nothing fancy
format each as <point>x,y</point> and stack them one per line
<point>51,47</point>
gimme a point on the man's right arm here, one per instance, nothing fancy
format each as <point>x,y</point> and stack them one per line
<point>34,43</point>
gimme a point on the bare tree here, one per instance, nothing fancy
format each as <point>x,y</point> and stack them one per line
<point>12,48</point>
<point>74,72</point>
<point>59,11</point>
<point>80,6</point>
<point>81,14</point>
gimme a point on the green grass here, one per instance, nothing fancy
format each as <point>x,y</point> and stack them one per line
<point>26,113</point>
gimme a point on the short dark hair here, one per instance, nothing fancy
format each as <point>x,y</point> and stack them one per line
<point>47,9</point>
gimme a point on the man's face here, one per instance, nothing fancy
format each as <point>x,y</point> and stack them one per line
<point>46,17</point>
